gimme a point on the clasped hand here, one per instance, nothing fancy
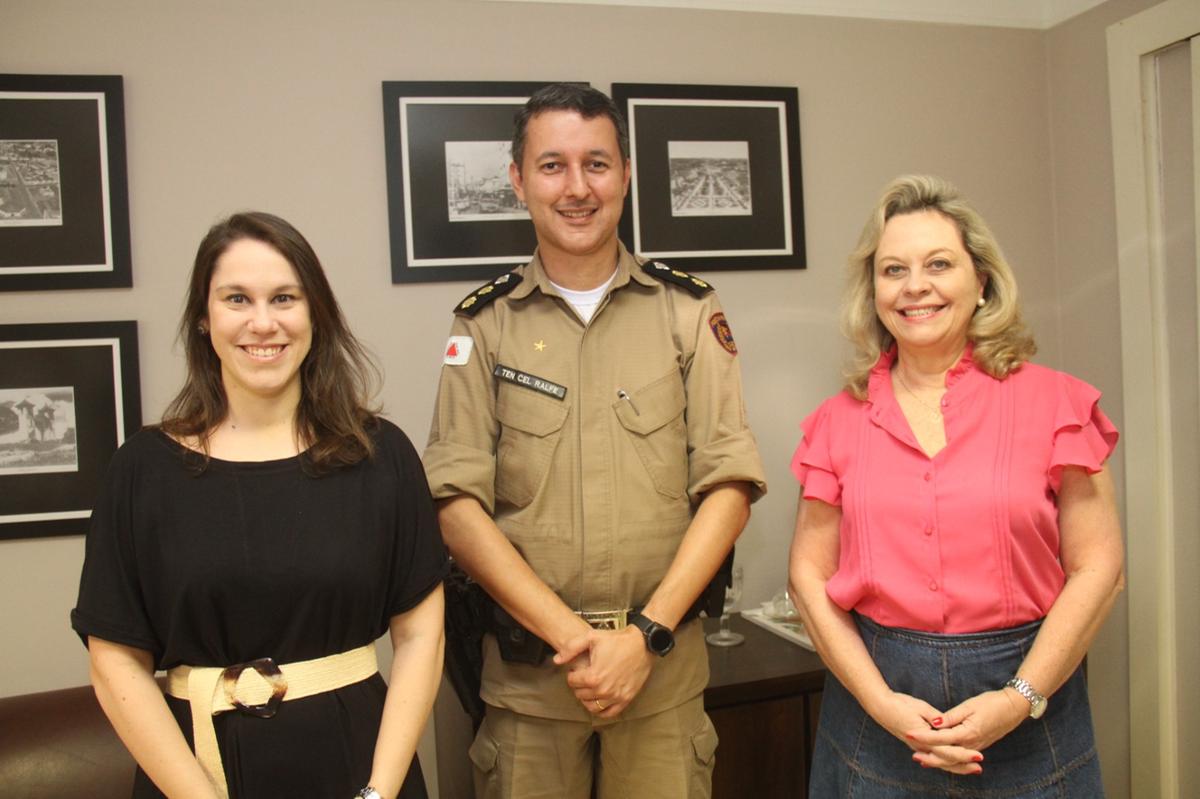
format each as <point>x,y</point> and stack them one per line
<point>954,740</point>
<point>608,669</point>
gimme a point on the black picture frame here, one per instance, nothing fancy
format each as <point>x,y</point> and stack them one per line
<point>64,192</point>
<point>421,121</point>
<point>87,374</point>
<point>716,175</point>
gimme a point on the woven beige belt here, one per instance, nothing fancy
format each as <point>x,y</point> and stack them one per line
<point>257,688</point>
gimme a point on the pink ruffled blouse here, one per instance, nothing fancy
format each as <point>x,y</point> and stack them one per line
<point>967,540</point>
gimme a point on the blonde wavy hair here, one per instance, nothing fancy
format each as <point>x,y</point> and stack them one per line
<point>1002,342</point>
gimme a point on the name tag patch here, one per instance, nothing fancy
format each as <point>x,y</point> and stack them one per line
<point>519,378</point>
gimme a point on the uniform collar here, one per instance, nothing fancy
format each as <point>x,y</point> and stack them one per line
<point>628,268</point>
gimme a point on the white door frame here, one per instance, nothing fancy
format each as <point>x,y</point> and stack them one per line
<point>1154,685</point>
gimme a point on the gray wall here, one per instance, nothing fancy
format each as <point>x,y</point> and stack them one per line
<point>1089,328</point>
<point>276,105</point>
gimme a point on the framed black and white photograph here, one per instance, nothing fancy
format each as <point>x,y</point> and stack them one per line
<point>452,212</point>
<point>69,396</point>
<point>716,175</point>
<point>64,196</point>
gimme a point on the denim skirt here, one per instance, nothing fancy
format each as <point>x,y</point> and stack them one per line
<point>1054,756</point>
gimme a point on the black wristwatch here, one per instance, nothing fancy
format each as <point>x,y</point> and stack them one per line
<point>659,639</point>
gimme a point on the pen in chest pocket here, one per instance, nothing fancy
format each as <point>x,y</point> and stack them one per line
<point>623,394</point>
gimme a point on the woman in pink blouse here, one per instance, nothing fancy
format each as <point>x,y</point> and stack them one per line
<point>957,544</point>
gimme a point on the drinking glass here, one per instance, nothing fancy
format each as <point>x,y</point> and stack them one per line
<point>726,636</point>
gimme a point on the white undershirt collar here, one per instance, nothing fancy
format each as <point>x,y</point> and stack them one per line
<point>585,302</point>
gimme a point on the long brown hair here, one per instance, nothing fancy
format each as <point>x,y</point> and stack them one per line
<point>1002,342</point>
<point>337,378</point>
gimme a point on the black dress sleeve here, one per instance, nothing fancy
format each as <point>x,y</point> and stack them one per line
<point>111,604</point>
<point>419,561</point>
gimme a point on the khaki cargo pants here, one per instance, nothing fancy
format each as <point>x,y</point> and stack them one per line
<point>668,755</point>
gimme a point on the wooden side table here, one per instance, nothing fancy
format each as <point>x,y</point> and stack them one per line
<point>763,697</point>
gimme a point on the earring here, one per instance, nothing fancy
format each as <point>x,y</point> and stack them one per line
<point>979,302</point>
<point>203,330</point>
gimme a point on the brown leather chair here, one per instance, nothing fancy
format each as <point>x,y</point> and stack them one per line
<point>58,744</point>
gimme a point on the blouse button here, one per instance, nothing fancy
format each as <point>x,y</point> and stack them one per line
<point>932,585</point>
<point>928,477</point>
<point>929,529</point>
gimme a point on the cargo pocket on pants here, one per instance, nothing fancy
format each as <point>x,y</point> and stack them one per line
<point>704,748</point>
<point>485,756</point>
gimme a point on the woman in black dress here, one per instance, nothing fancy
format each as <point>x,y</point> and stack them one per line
<point>257,542</point>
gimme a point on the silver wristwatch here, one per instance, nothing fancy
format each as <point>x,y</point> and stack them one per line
<point>368,793</point>
<point>1037,702</point>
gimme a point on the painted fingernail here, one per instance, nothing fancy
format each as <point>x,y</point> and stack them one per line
<point>910,736</point>
<point>978,758</point>
<point>937,722</point>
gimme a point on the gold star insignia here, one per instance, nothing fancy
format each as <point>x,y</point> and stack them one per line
<point>677,273</point>
<point>467,303</point>
<point>539,345</point>
<point>485,290</point>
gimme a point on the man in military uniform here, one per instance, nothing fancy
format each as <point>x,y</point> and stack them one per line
<point>593,466</point>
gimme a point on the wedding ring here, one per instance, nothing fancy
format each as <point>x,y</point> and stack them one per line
<point>598,705</point>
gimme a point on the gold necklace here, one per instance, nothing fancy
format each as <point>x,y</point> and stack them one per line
<point>936,411</point>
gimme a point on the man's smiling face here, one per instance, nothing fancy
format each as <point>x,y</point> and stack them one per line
<point>574,180</point>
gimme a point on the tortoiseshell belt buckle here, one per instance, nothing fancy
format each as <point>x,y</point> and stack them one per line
<point>266,668</point>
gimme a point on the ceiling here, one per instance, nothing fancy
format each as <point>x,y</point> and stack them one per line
<point>1040,14</point>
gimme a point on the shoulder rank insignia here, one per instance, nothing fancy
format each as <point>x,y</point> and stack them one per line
<point>665,273</point>
<point>477,299</point>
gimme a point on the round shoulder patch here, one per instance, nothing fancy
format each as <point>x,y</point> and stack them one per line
<point>723,333</point>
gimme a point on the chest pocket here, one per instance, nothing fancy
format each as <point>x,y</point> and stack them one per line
<point>530,427</point>
<point>653,420</point>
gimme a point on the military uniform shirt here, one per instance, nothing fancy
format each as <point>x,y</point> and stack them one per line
<point>591,446</point>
